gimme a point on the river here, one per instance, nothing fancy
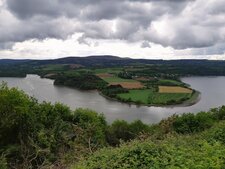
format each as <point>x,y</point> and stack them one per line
<point>211,88</point>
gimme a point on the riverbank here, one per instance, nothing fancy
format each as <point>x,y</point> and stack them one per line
<point>195,98</point>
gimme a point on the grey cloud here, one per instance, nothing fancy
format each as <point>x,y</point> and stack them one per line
<point>216,7</point>
<point>145,44</point>
<point>7,45</point>
<point>83,40</point>
<point>218,49</point>
<point>38,28</point>
<point>181,23</point>
<point>90,9</point>
<point>30,8</point>
<point>185,36</point>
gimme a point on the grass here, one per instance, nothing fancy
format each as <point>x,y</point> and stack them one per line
<point>164,98</point>
<point>148,96</point>
<point>108,70</point>
<point>137,95</point>
<point>54,68</point>
<point>129,85</point>
<point>117,79</point>
<point>111,78</point>
<point>194,97</point>
<point>104,75</point>
<point>72,72</point>
<point>169,81</point>
<point>174,89</point>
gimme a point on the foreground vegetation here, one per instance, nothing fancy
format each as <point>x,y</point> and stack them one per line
<point>42,135</point>
<point>175,152</point>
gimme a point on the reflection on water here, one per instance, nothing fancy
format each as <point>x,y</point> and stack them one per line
<point>211,88</point>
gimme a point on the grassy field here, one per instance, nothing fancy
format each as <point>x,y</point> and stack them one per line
<point>54,67</point>
<point>108,70</point>
<point>137,95</point>
<point>125,83</point>
<point>117,79</point>
<point>108,76</point>
<point>129,85</point>
<point>174,89</point>
<point>164,98</point>
<point>170,82</point>
<point>148,96</point>
<point>104,75</point>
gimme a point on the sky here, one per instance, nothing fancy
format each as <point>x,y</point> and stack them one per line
<point>151,29</point>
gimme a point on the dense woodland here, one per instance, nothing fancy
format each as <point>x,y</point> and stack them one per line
<point>43,135</point>
<point>85,81</point>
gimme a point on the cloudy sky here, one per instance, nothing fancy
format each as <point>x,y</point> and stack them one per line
<point>166,29</point>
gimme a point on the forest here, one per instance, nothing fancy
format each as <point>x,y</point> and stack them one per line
<point>45,135</point>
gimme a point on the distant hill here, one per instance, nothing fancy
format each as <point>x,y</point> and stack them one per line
<point>12,61</point>
<point>105,60</point>
<point>108,60</point>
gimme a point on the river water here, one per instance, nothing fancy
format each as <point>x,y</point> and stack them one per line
<point>212,95</point>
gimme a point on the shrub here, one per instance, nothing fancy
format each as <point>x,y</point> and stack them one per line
<point>3,163</point>
<point>217,133</point>
<point>93,125</point>
<point>36,134</point>
<point>190,123</point>
<point>219,113</point>
<point>120,130</point>
<point>180,152</point>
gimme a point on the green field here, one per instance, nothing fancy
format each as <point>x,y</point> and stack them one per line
<point>114,72</point>
<point>55,68</point>
<point>71,72</point>
<point>165,98</point>
<point>137,95</point>
<point>148,96</point>
<point>108,70</point>
<point>169,82</point>
<point>117,79</point>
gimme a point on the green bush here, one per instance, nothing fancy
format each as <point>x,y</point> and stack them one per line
<point>36,134</point>
<point>120,130</point>
<point>217,133</point>
<point>15,118</point>
<point>180,152</point>
<point>191,123</point>
<point>218,113</point>
<point>93,125</point>
<point>3,163</point>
